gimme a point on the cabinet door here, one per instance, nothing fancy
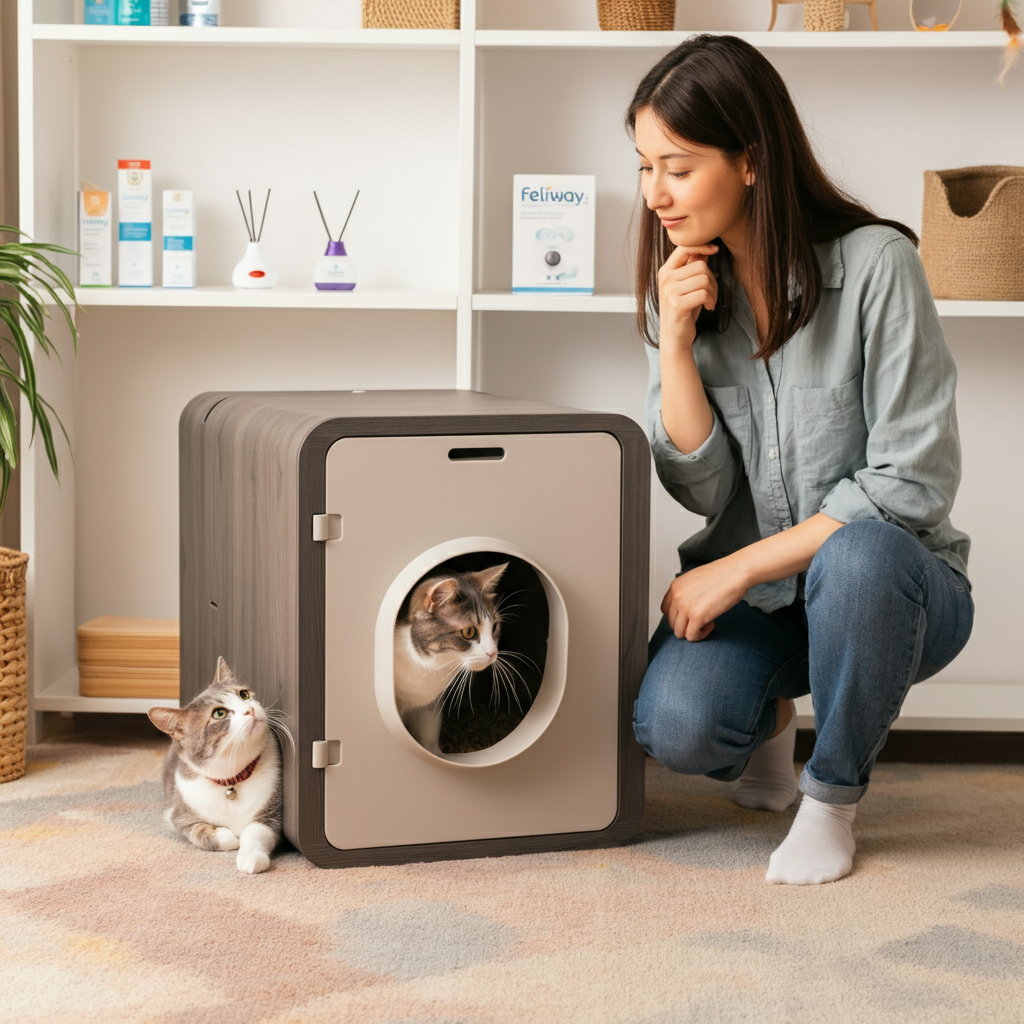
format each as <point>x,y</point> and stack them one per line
<point>556,499</point>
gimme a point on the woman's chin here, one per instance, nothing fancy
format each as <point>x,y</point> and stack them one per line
<point>686,236</point>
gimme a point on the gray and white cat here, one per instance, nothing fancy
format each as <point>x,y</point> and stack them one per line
<point>223,771</point>
<point>447,630</point>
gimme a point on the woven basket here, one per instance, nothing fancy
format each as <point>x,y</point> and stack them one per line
<point>972,233</point>
<point>636,15</point>
<point>410,13</point>
<point>13,665</point>
<point>824,15</point>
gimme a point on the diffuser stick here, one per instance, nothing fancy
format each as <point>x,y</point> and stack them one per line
<point>322,217</point>
<point>263,219</point>
<point>252,217</point>
<point>241,206</point>
<point>349,217</point>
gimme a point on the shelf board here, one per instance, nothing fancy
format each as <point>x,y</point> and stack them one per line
<point>625,304</point>
<point>448,39</point>
<point>534,303</point>
<point>269,298</point>
<point>63,695</point>
<point>963,307</point>
<point>339,39</point>
<point>762,40</point>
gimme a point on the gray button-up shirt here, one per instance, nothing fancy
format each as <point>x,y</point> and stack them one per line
<point>854,417</point>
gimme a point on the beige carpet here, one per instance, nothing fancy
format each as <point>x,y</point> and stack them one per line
<point>107,916</point>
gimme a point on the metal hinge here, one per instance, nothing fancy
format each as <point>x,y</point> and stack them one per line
<point>327,527</point>
<point>326,753</point>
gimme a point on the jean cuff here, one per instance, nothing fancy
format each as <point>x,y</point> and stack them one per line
<point>730,774</point>
<point>826,793</point>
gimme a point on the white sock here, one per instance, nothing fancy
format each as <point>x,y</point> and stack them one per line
<point>819,847</point>
<point>768,783</point>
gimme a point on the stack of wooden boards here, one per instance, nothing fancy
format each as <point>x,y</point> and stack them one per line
<point>119,657</point>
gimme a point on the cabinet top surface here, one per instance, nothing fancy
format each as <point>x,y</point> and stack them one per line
<point>321,406</point>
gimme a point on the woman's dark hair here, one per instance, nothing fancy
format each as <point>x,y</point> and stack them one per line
<point>720,91</point>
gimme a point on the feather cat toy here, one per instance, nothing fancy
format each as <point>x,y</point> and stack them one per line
<point>1012,29</point>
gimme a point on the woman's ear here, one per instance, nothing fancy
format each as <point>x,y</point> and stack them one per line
<point>747,169</point>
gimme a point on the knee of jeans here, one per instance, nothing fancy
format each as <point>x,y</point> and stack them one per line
<point>862,553</point>
<point>677,737</point>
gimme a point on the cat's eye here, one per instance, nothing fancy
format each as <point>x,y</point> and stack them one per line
<point>469,632</point>
<point>245,694</point>
<point>219,712</point>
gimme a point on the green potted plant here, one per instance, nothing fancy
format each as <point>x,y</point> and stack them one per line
<point>29,281</point>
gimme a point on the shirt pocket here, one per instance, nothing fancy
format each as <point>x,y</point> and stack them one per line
<point>733,407</point>
<point>829,433</point>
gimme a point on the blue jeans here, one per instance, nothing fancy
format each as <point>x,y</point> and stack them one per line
<point>880,613</point>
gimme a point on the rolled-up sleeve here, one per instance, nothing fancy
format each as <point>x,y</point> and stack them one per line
<point>702,481</point>
<point>912,469</point>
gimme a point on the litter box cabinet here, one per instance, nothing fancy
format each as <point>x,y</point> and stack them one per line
<point>308,518</point>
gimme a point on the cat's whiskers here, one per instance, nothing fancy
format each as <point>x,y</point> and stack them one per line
<point>522,657</point>
<point>276,722</point>
<point>504,671</point>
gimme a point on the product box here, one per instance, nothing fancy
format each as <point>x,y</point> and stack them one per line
<point>100,12</point>
<point>94,240</point>
<point>179,239</point>
<point>141,12</point>
<point>135,227</point>
<point>553,233</point>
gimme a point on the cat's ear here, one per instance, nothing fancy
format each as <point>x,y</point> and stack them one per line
<point>168,720</point>
<point>439,593</point>
<point>488,578</point>
<point>223,674</point>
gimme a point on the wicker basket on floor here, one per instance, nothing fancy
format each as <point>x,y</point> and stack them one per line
<point>824,15</point>
<point>13,665</point>
<point>410,13</point>
<point>636,15</point>
<point>972,233</point>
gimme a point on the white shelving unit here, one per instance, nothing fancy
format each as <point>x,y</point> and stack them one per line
<point>431,126</point>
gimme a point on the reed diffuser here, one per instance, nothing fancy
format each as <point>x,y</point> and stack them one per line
<point>335,271</point>
<point>253,270</point>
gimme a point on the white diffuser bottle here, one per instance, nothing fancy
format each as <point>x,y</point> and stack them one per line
<point>253,270</point>
<point>335,272</point>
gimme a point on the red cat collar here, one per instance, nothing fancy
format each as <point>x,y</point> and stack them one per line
<point>240,777</point>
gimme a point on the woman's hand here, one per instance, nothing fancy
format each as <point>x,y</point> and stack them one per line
<point>699,596</point>
<point>685,287</point>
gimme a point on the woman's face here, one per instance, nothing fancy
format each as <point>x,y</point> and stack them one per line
<point>696,191</point>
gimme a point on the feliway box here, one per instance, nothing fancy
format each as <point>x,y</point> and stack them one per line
<point>179,239</point>
<point>553,233</point>
<point>135,227</point>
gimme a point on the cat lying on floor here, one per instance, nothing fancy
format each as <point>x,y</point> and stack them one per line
<point>223,771</point>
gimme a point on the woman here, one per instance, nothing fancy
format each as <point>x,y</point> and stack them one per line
<point>802,399</point>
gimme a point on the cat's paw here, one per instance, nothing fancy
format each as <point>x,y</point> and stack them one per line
<point>225,839</point>
<point>252,861</point>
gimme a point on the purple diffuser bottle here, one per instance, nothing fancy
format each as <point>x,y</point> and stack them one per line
<point>335,271</point>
